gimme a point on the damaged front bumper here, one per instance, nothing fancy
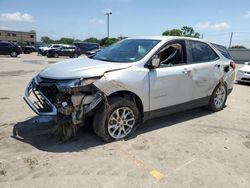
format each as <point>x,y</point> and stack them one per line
<point>37,101</point>
<point>45,100</point>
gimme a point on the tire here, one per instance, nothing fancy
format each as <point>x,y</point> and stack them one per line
<point>13,54</point>
<point>111,127</point>
<point>56,55</point>
<point>218,99</point>
<point>75,56</point>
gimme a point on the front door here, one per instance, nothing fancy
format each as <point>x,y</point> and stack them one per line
<point>171,83</point>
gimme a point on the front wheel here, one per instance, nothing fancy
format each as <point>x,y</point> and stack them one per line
<point>117,120</point>
<point>218,98</point>
<point>56,55</point>
<point>13,54</point>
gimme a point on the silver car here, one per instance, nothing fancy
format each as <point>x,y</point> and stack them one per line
<point>131,81</point>
<point>243,74</point>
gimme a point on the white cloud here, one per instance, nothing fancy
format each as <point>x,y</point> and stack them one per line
<point>215,26</point>
<point>16,17</point>
<point>96,21</point>
<point>8,28</point>
<point>247,14</point>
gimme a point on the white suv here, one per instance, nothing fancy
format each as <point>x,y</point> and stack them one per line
<point>132,81</point>
<point>43,50</point>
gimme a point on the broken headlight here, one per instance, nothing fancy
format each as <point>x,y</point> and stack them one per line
<point>76,83</point>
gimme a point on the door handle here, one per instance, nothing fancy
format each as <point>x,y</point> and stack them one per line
<point>185,71</point>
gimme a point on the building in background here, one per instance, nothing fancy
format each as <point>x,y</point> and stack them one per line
<point>21,37</point>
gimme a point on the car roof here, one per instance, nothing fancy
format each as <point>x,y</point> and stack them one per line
<point>167,38</point>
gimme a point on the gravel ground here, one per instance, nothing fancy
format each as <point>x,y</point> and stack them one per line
<point>195,148</point>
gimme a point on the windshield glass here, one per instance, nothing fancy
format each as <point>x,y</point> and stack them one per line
<point>129,50</point>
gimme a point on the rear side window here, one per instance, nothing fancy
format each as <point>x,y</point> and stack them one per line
<point>223,50</point>
<point>201,52</point>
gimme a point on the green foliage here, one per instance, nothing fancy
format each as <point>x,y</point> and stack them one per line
<point>189,32</point>
<point>108,41</point>
<point>238,46</point>
<point>65,41</point>
<point>172,32</point>
<point>46,40</point>
<point>92,39</point>
<point>111,41</point>
<point>103,42</point>
<point>184,31</point>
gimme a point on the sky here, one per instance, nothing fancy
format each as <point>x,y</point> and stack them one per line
<point>80,19</point>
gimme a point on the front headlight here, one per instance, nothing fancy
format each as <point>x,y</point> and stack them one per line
<point>76,83</point>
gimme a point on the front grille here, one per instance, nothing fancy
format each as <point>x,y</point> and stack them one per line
<point>47,87</point>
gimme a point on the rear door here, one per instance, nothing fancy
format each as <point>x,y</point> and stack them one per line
<point>207,68</point>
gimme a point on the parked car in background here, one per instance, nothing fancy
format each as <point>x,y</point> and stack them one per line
<point>28,49</point>
<point>43,50</point>
<point>86,47</point>
<point>93,52</point>
<point>38,45</point>
<point>71,51</point>
<point>243,74</point>
<point>9,48</point>
<point>130,82</point>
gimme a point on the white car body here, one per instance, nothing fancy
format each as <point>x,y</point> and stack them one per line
<point>243,74</point>
<point>44,49</point>
<point>158,83</point>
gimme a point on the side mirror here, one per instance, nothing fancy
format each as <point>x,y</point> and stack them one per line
<point>155,61</point>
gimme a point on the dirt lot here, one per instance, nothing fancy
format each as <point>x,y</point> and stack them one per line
<point>196,148</point>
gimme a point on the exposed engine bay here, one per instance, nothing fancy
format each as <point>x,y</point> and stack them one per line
<point>72,100</point>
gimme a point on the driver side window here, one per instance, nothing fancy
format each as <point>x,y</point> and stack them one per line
<point>173,54</point>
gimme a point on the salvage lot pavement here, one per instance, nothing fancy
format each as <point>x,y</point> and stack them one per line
<point>196,148</point>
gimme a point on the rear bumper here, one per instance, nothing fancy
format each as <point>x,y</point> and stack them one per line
<point>37,101</point>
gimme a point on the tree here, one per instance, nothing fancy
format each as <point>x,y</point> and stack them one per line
<point>184,31</point>
<point>111,41</point>
<point>64,40</point>
<point>92,39</point>
<point>238,46</point>
<point>108,41</point>
<point>189,32</point>
<point>46,40</point>
<point>172,32</point>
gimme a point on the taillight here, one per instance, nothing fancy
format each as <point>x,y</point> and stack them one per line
<point>232,64</point>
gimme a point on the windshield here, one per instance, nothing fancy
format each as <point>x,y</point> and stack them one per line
<point>129,50</point>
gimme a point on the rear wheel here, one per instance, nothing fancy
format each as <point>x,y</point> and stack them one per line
<point>117,120</point>
<point>13,54</point>
<point>218,98</point>
<point>75,56</point>
<point>56,55</point>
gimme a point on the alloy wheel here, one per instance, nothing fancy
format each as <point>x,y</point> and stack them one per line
<point>220,96</point>
<point>121,122</point>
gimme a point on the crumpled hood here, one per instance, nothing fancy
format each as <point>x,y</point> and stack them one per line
<point>81,68</point>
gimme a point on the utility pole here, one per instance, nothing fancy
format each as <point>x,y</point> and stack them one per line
<point>108,14</point>
<point>231,38</point>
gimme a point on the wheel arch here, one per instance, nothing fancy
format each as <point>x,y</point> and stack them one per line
<point>130,96</point>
